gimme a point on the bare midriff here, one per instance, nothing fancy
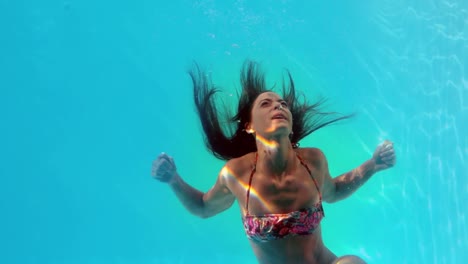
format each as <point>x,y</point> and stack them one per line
<point>299,249</point>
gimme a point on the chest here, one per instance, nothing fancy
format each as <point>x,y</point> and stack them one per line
<point>281,193</point>
<point>287,187</point>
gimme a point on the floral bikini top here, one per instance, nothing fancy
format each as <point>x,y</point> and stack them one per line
<point>266,227</point>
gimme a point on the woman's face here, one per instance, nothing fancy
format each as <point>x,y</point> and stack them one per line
<point>270,116</point>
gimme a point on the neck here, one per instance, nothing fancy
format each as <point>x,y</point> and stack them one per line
<point>276,157</point>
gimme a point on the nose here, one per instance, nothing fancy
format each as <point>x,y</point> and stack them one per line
<point>279,106</point>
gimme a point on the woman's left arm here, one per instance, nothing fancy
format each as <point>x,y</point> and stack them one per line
<point>341,187</point>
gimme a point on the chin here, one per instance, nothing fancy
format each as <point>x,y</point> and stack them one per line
<point>281,131</point>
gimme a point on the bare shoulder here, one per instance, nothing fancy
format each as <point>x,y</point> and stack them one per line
<point>241,164</point>
<point>313,155</point>
<point>317,159</point>
<point>237,168</point>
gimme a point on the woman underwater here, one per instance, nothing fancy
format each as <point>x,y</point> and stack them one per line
<point>279,185</point>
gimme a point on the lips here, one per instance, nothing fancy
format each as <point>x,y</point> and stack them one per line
<point>279,116</point>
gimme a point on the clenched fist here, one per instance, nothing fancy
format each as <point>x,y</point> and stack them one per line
<point>164,168</point>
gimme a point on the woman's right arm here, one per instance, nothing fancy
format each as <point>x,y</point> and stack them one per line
<point>204,205</point>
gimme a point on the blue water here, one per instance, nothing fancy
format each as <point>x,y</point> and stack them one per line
<point>93,91</point>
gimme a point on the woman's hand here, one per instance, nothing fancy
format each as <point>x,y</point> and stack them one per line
<point>164,168</point>
<point>384,156</point>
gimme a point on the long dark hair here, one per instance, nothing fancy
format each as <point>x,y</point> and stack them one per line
<point>228,139</point>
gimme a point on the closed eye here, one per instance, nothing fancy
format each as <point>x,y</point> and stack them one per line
<point>267,102</point>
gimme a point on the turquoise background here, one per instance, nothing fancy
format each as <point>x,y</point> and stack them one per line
<point>92,91</point>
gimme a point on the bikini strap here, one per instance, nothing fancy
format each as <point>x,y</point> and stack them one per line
<point>307,168</point>
<point>250,183</point>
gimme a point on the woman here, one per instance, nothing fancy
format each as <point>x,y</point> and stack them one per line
<point>279,186</point>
